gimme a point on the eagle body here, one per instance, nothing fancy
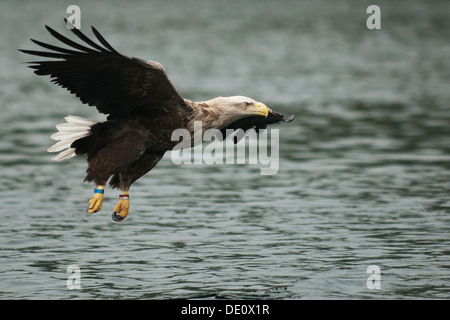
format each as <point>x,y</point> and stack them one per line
<point>143,109</point>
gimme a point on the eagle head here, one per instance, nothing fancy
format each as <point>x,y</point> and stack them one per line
<point>226,110</point>
<point>240,106</point>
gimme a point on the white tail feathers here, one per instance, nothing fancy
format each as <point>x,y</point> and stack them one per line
<point>74,129</point>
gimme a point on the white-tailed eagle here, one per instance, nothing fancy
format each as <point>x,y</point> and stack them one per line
<point>143,108</point>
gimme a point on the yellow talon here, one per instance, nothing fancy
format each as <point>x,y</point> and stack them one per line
<point>95,204</point>
<point>122,208</point>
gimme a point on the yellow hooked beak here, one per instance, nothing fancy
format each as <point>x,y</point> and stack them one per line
<point>259,109</point>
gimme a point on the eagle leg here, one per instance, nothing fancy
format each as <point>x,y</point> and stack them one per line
<point>122,207</point>
<point>95,204</point>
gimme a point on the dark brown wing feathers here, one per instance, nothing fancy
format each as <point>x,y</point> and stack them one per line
<point>115,84</point>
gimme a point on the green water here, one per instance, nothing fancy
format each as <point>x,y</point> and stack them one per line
<point>364,168</point>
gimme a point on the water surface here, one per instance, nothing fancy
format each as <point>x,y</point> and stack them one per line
<point>364,169</point>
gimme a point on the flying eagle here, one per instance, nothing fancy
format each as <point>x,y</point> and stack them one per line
<point>143,108</point>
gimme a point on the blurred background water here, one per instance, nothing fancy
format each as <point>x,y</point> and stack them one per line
<point>364,168</point>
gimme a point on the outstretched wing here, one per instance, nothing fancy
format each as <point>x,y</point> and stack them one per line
<point>116,84</point>
<point>255,122</point>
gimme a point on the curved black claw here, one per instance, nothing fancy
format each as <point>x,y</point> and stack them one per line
<point>117,217</point>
